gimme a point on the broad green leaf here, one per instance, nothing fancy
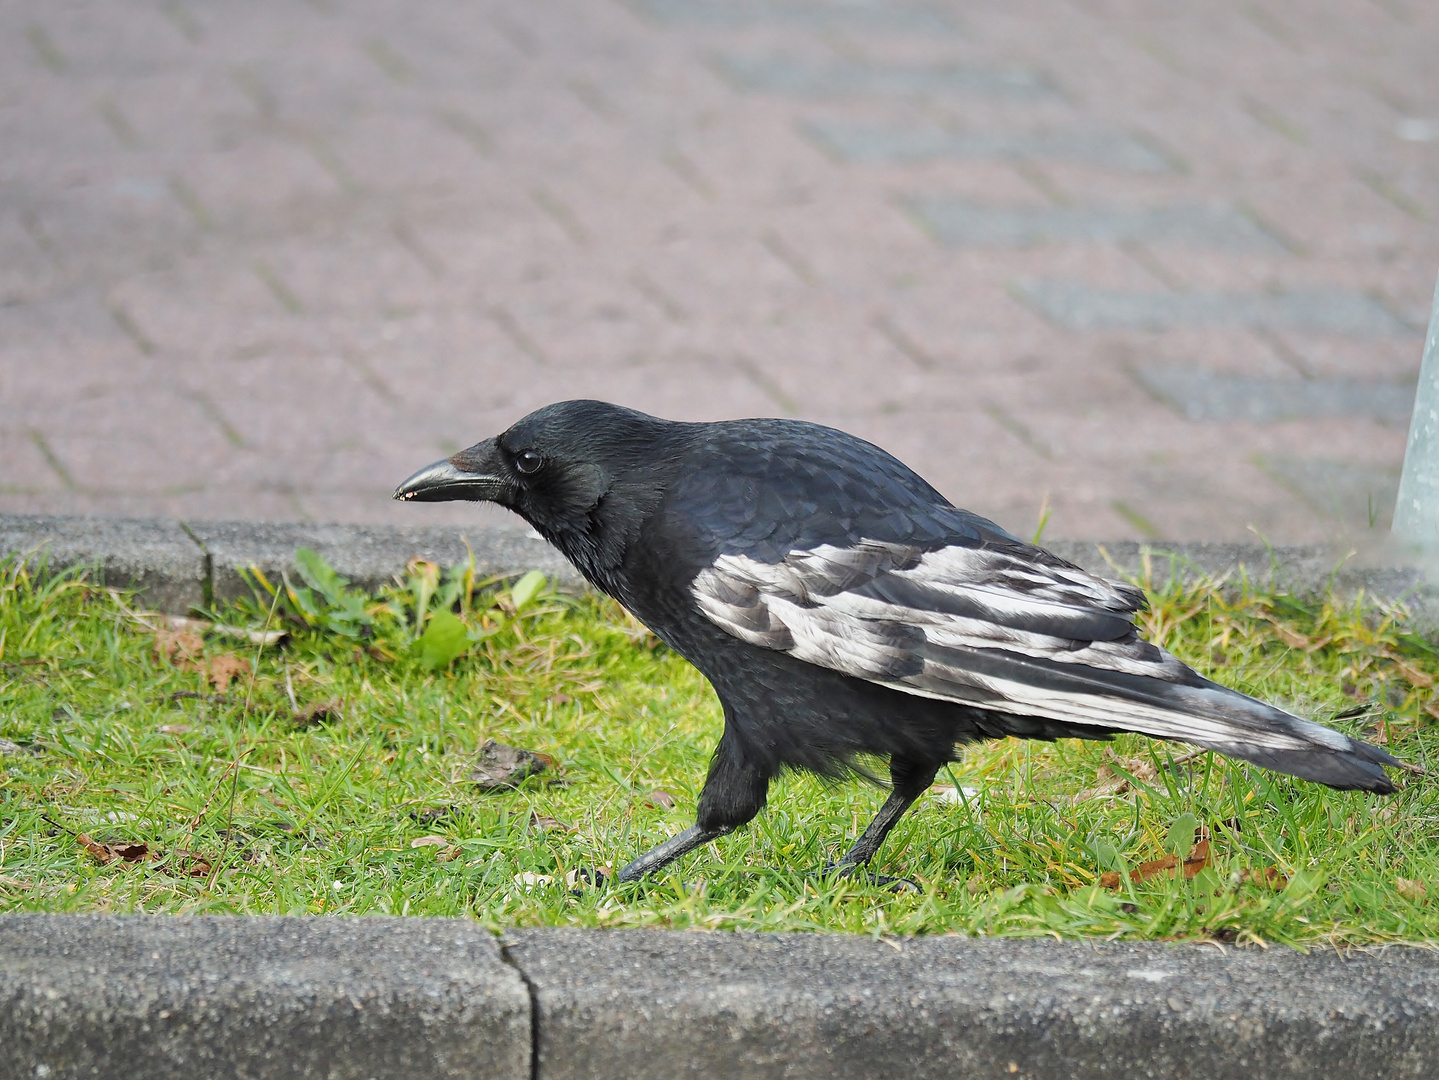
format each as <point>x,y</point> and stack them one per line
<point>444,639</point>
<point>1107,857</point>
<point>1181,835</point>
<point>525,590</point>
<point>319,574</point>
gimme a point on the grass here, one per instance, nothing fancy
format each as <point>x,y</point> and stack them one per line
<point>328,773</point>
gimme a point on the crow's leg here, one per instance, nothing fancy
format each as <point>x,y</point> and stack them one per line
<point>661,854</point>
<point>734,792</point>
<point>909,779</point>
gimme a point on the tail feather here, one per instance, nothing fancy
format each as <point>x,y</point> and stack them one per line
<point>1190,709</point>
<point>1324,755</point>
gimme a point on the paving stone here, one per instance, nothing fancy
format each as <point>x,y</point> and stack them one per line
<point>806,78</point>
<point>965,224</point>
<point>1363,495</point>
<point>862,142</point>
<point>886,17</point>
<point>1207,395</point>
<point>1083,307</point>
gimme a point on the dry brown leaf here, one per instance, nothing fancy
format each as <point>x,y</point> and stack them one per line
<point>1110,782</point>
<point>502,766</point>
<point>190,864</point>
<point>1290,637</point>
<point>661,798</point>
<point>107,853</point>
<point>1409,889</point>
<point>178,646</point>
<point>541,823</point>
<point>1267,877</point>
<point>1198,859</point>
<point>322,712</point>
<point>221,669</point>
<point>1413,675</point>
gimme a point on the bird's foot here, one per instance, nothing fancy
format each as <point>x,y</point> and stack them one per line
<point>883,881</point>
<point>587,878</point>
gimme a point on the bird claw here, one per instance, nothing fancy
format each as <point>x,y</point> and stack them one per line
<point>582,879</point>
<point>883,881</point>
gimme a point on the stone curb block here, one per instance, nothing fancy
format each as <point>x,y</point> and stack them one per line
<point>153,555</point>
<point>646,1003</point>
<point>157,997</point>
<point>127,997</point>
<point>179,565</point>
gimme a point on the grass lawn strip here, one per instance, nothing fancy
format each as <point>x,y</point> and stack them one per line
<point>149,764</point>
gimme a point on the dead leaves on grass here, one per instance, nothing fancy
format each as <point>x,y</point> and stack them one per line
<point>1198,859</point>
<point>184,650</point>
<point>321,712</point>
<point>1410,889</point>
<point>110,852</point>
<point>1265,877</point>
<point>500,766</point>
<point>1108,781</point>
<point>181,861</point>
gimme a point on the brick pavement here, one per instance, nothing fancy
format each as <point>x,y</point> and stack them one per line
<point>1164,265</point>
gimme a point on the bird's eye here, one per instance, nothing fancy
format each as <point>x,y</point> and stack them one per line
<point>528,462</point>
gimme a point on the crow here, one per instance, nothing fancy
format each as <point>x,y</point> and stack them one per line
<point>843,608</point>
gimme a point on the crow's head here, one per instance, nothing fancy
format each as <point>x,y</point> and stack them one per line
<point>558,466</point>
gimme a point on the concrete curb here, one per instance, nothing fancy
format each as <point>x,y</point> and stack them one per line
<point>177,565</point>
<point>262,998</point>
<point>156,997</point>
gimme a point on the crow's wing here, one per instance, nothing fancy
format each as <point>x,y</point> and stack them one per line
<point>996,628</point>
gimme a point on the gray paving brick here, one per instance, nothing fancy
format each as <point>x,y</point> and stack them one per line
<point>1083,307</point>
<point>865,142</point>
<point>885,17</point>
<point>808,78</point>
<point>1208,395</point>
<point>1361,494</point>
<point>966,224</point>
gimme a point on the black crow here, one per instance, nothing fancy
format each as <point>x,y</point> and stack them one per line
<point>841,607</point>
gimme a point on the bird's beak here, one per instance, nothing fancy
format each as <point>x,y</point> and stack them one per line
<point>475,475</point>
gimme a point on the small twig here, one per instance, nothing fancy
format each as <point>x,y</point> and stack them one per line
<point>62,828</point>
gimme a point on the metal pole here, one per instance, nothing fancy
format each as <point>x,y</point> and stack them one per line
<point>1416,513</point>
